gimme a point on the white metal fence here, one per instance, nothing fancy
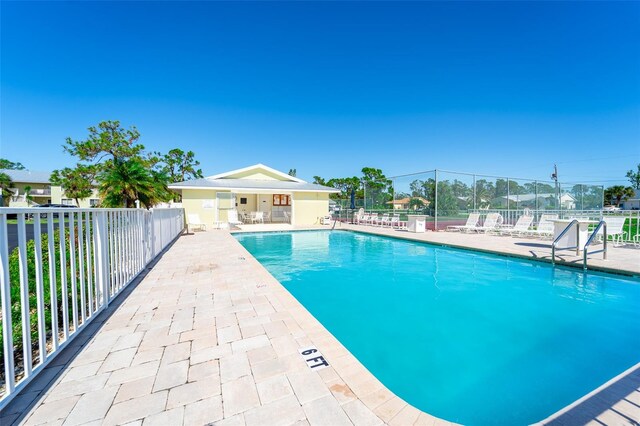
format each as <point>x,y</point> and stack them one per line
<point>65,266</point>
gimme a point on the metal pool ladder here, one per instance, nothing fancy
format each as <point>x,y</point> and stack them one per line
<point>562,234</point>
<point>602,224</point>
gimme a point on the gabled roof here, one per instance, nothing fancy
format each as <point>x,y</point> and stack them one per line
<point>27,176</point>
<point>229,181</point>
<point>258,166</point>
<point>251,185</point>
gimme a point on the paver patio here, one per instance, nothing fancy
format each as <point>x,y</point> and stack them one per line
<point>209,336</point>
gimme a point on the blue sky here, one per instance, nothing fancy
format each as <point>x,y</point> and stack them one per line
<point>504,88</point>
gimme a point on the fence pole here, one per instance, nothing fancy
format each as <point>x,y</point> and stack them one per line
<point>5,296</point>
<point>474,193</point>
<point>102,253</point>
<point>508,202</point>
<point>435,222</point>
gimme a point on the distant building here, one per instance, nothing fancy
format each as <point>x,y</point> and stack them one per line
<point>405,203</point>
<point>567,201</point>
<point>41,191</point>
<point>632,203</point>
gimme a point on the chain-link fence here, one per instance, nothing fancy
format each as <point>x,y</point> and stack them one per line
<point>447,198</point>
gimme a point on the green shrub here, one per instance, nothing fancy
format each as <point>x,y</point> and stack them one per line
<point>14,279</point>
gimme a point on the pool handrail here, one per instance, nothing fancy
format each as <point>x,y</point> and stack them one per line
<point>602,224</point>
<point>564,231</point>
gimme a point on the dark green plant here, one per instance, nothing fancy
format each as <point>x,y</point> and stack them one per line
<point>15,291</point>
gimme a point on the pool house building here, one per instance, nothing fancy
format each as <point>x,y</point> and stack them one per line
<point>255,193</point>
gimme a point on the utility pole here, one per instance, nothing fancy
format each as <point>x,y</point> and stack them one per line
<point>554,176</point>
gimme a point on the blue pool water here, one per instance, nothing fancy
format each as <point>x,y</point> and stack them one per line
<point>469,337</point>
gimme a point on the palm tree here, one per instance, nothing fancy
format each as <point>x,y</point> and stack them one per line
<point>129,180</point>
<point>615,194</point>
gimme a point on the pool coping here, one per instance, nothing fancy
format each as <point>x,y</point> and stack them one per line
<point>554,417</point>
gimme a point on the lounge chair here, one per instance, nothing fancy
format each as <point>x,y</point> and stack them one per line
<point>194,222</point>
<point>522,225</point>
<point>615,229</point>
<point>357,217</point>
<point>364,219</point>
<point>472,223</point>
<point>544,228</point>
<point>491,223</point>
<point>232,218</point>
<point>380,221</point>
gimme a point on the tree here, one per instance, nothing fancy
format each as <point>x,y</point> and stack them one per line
<point>10,165</point>
<point>292,172</point>
<point>180,166</point>
<point>122,170</point>
<point>5,184</point>
<point>107,141</point>
<point>615,194</point>
<point>130,180</point>
<point>634,178</point>
<point>319,181</point>
<point>77,183</point>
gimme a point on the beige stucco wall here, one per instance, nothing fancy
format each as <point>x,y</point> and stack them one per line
<point>309,207</point>
<point>193,201</point>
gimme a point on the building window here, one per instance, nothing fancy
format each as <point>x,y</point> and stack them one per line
<point>281,200</point>
<point>243,200</point>
<point>93,202</point>
<point>68,202</point>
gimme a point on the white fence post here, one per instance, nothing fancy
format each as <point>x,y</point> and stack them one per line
<point>101,246</point>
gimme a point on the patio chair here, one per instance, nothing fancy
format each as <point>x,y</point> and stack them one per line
<point>257,217</point>
<point>366,218</point>
<point>472,223</point>
<point>615,229</point>
<point>267,217</point>
<point>232,218</point>
<point>394,221</point>
<point>522,225</point>
<point>380,221</point>
<point>357,217</point>
<point>491,223</point>
<point>194,222</point>
<point>544,228</point>
<point>373,219</point>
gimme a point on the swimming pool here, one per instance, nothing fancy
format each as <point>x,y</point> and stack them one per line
<point>469,337</point>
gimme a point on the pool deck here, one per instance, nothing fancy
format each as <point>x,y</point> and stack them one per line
<point>623,259</point>
<point>209,336</point>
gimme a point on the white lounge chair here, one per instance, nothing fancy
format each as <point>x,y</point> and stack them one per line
<point>357,217</point>
<point>194,222</point>
<point>544,228</point>
<point>615,229</point>
<point>472,223</point>
<point>522,225</point>
<point>232,218</point>
<point>491,223</point>
<point>380,221</point>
